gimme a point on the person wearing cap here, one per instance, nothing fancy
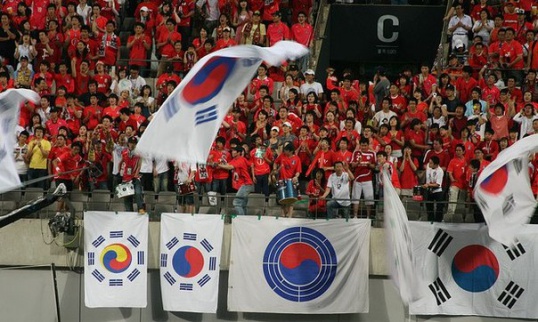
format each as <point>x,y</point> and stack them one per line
<point>274,140</point>
<point>23,75</point>
<point>277,30</point>
<point>131,163</point>
<point>310,85</point>
<point>451,100</point>
<point>262,161</point>
<point>226,40</point>
<point>254,32</point>
<point>287,134</point>
<point>288,166</point>
<point>241,179</point>
<point>459,26</point>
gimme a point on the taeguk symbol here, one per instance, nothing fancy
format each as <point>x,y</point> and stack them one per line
<point>475,268</point>
<point>299,264</point>
<point>496,182</point>
<point>188,261</point>
<point>116,258</point>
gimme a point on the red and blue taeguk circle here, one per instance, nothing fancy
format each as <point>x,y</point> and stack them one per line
<point>116,258</point>
<point>299,264</point>
<point>496,182</point>
<point>209,80</point>
<point>188,261</point>
<point>475,268</point>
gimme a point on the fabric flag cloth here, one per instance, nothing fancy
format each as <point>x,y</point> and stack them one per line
<point>186,124</point>
<point>10,102</point>
<point>468,273</point>
<point>115,259</point>
<point>400,245</point>
<point>503,191</point>
<point>189,261</point>
<point>299,266</point>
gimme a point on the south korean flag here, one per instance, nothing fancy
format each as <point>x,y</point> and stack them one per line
<point>115,263</point>
<point>470,274</point>
<point>189,262</point>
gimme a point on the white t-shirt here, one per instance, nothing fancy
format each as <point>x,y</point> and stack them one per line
<point>383,118</point>
<point>435,176</point>
<point>339,186</point>
<point>314,87</point>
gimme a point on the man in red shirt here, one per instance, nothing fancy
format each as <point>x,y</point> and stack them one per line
<point>302,32</point>
<point>456,172</point>
<point>363,162</point>
<point>465,84</point>
<point>130,164</point>
<point>241,180</point>
<point>219,156</point>
<point>438,151</point>
<point>288,166</point>
<point>109,45</point>
<point>511,56</point>
<point>262,159</point>
<point>167,39</point>
<point>260,80</point>
<point>278,30</point>
<point>67,162</point>
<point>54,123</point>
<point>139,44</point>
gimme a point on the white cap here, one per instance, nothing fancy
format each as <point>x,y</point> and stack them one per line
<point>144,8</point>
<point>275,128</point>
<point>288,124</point>
<point>309,72</point>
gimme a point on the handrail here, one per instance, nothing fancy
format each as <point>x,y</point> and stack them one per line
<point>320,28</point>
<point>443,49</point>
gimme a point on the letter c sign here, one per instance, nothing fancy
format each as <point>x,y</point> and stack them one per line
<point>391,22</point>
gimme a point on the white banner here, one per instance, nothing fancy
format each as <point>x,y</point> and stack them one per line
<point>400,246</point>
<point>299,266</point>
<point>10,105</point>
<point>503,191</point>
<point>115,259</point>
<point>468,273</point>
<point>187,122</point>
<point>189,261</point>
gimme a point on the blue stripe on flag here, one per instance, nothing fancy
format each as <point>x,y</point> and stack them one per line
<point>91,258</point>
<point>173,242</point>
<point>206,245</point>
<point>185,286</point>
<point>189,236</point>
<point>133,240</point>
<point>98,275</point>
<point>134,274</point>
<point>164,260</point>
<point>115,282</point>
<point>98,241</point>
<point>116,234</point>
<point>204,280</point>
<point>168,277</point>
<point>212,263</point>
<point>141,258</point>
<point>206,115</point>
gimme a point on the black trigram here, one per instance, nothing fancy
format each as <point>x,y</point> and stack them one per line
<point>508,204</point>
<point>514,252</point>
<point>440,242</point>
<point>510,295</point>
<point>439,291</point>
<point>518,165</point>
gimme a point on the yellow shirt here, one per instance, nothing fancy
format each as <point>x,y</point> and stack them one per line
<point>38,161</point>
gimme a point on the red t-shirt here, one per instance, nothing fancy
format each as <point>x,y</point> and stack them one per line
<point>258,157</point>
<point>69,162</point>
<point>363,171</point>
<point>457,168</point>
<point>289,166</point>
<point>219,157</point>
<point>241,175</point>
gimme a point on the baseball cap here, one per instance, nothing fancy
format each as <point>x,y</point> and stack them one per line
<point>226,29</point>
<point>458,43</point>
<point>275,128</point>
<point>99,62</point>
<point>449,87</point>
<point>144,8</point>
<point>277,13</point>
<point>293,67</point>
<point>309,72</point>
<point>238,148</point>
<point>132,140</point>
<point>288,124</point>
<point>257,13</point>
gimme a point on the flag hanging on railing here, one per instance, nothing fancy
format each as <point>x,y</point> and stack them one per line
<point>503,191</point>
<point>189,262</point>
<point>401,260</point>
<point>186,124</point>
<point>468,273</point>
<point>299,266</point>
<point>115,261</point>
<point>10,103</point>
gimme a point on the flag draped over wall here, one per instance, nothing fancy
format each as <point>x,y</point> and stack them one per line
<point>189,261</point>
<point>187,122</point>
<point>468,273</point>
<point>503,191</point>
<point>299,266</point>
<point>115,261</point>
<point>400,246</point>
<point>10,102</point>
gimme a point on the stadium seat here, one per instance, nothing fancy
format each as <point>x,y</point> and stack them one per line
<point>77,195</point>
<point>100,196</point>
<point>167,197</point>
<point>31,194</point>
<point>14,195</point>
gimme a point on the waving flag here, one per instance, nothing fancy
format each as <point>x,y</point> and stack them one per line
<point>503,191</point>
<point>400,245</point>
<point>299,266</point>
<point>115,261</point>
<point>186,124</point>
<point>10,102</point>
<point>190,260</point>
<point>468,273</point>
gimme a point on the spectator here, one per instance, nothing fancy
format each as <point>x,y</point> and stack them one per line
<point>363,163</point>
<point>311,86</point>
<point>456,173</point>
<point>288,166</point>
<point>130,163</point>
<point>434,185</point>
<point>20,151</point>
<point>277,30</point>
<point>459,26</point>
<point>483,26</point>
<point>241,180</point>
<point>338,187</point>
<point>38,151</point>
<point>317,207</point>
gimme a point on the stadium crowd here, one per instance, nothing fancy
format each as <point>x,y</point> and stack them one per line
<point>432,132</point>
